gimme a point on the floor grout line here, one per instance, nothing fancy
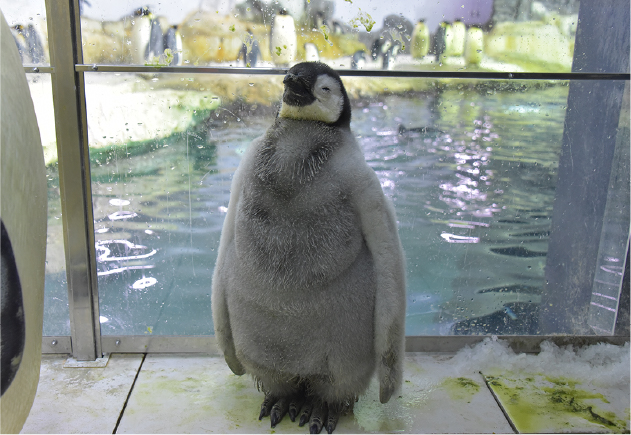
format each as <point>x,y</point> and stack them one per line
<point>120,416</point>
<point>497,400</point>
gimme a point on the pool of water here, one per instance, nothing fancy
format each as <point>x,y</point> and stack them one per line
<point>471,173</point>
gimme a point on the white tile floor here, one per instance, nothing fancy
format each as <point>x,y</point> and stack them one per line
<point>199,394</point>
<point>81,400</point>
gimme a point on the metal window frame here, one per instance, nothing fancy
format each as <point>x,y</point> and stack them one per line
<point>68,87</point>
<point>67,73</point>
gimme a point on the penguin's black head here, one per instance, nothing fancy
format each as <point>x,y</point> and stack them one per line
<point>315,92</point>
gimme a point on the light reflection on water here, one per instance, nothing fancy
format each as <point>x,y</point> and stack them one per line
<point>471,175</point>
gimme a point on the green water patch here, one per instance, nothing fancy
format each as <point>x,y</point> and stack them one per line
<point>539,403</point>
<point>151,157</point>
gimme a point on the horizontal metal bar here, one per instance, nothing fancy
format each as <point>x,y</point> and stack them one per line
<point>353,73</point>
<point>179,69</point>
<point>57,344</point>
<point>39,69</point>
<point>208,344</point>
<point>159,344</point>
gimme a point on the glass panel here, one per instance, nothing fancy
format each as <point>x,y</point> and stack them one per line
<point>161,166</point>
<point>27,20</point>
<point>470,165</point>
<point>56,314</point>
<point>478,35</point>
<point>472,171</point>
<point>604,306</point>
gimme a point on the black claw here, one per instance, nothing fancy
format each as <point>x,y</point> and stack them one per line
<point>266,406</point>
<point>304,418</point>
<point>333,416</point>
<point>330,425</point>
<point>278,411</point>
<point>307,409</point>
<point>295,405</point>
<point>274,418</point>
<point>318,416</point>
<point>315,427</point>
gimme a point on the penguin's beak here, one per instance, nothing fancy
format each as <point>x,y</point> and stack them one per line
<point>297,90</point>
<point>289,78</point>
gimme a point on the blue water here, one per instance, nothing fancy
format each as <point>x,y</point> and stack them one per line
<point>473,192</point>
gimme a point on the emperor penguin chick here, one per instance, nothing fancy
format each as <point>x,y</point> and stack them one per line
<point>309,288</point>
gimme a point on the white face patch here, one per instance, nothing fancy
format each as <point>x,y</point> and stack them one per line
<point>327,107</point>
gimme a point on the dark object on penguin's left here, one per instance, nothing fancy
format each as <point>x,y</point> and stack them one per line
<point>13,331</point>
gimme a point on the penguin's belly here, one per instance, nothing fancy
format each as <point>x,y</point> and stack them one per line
<point>326,332</point>
<point>300,243</point>
<point>302,290</point>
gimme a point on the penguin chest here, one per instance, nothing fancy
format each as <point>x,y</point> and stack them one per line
<point>302,241</point>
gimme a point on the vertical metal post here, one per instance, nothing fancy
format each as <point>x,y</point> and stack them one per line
<point>589,141</point>
<point>64,37</point>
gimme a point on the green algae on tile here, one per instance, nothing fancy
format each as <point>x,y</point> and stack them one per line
<point>460,388</point>
<point>207,396</point>
<point>543,404</point>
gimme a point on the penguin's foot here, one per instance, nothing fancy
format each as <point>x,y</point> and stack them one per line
<point>312,410</point>
<point>323,415</point>
<point>277,407</point>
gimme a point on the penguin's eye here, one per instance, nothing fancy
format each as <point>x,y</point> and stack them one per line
<point>326,89</point>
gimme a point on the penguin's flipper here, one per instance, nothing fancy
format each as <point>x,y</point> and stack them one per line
<point>223,331</point>
<point>219,304</point>
<point>379,227</point>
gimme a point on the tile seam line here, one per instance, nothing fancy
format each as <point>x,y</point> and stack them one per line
<point>497,400</point>
<point>131,389</point>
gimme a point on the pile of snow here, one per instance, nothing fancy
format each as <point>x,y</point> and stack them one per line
<point>602,364</point>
